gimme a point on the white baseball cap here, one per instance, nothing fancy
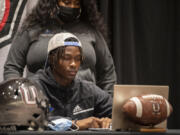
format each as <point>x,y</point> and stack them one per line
<point>59,40</point>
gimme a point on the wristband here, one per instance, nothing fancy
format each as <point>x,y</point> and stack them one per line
<point>75,121</point>
<point>75,127</point>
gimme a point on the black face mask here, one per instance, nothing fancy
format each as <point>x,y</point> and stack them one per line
<point>67,14</point>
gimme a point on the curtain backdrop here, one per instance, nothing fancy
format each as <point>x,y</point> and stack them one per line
<point>145,44</point>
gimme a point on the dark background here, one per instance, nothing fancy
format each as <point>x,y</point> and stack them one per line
<point>144,41</point>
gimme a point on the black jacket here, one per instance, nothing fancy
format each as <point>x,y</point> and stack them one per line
<point>80,100</point>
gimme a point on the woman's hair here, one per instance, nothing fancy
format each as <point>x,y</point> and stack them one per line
<point>89,8</point>
<point>45,14</point>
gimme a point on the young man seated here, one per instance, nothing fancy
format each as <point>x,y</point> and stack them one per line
<point>86,104</point>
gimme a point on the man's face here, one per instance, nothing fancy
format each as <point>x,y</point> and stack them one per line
<point>69,63</point>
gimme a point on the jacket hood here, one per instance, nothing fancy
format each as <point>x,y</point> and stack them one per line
<point>49,79</point>
<point>55,88</point>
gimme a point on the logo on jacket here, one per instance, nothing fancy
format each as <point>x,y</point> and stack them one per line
<point>77,110</point>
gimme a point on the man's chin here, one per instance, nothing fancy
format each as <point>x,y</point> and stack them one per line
<point>71,77</point>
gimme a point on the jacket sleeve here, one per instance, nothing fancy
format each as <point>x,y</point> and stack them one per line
<point>16,59</point>
<point>105,70</point>
<point>103,103</point>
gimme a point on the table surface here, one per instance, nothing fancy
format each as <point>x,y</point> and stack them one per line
<point>168,132</point>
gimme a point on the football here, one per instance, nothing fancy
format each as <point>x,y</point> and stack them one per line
<point>147,110</point>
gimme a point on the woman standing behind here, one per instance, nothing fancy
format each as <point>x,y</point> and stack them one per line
<point>49,17</point>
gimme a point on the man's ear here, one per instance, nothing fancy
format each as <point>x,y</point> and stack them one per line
<point>51,61</point>
<point>82,60</point>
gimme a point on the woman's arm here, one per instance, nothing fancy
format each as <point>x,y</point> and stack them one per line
<point>105,70</point>
<point>16,59</point>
